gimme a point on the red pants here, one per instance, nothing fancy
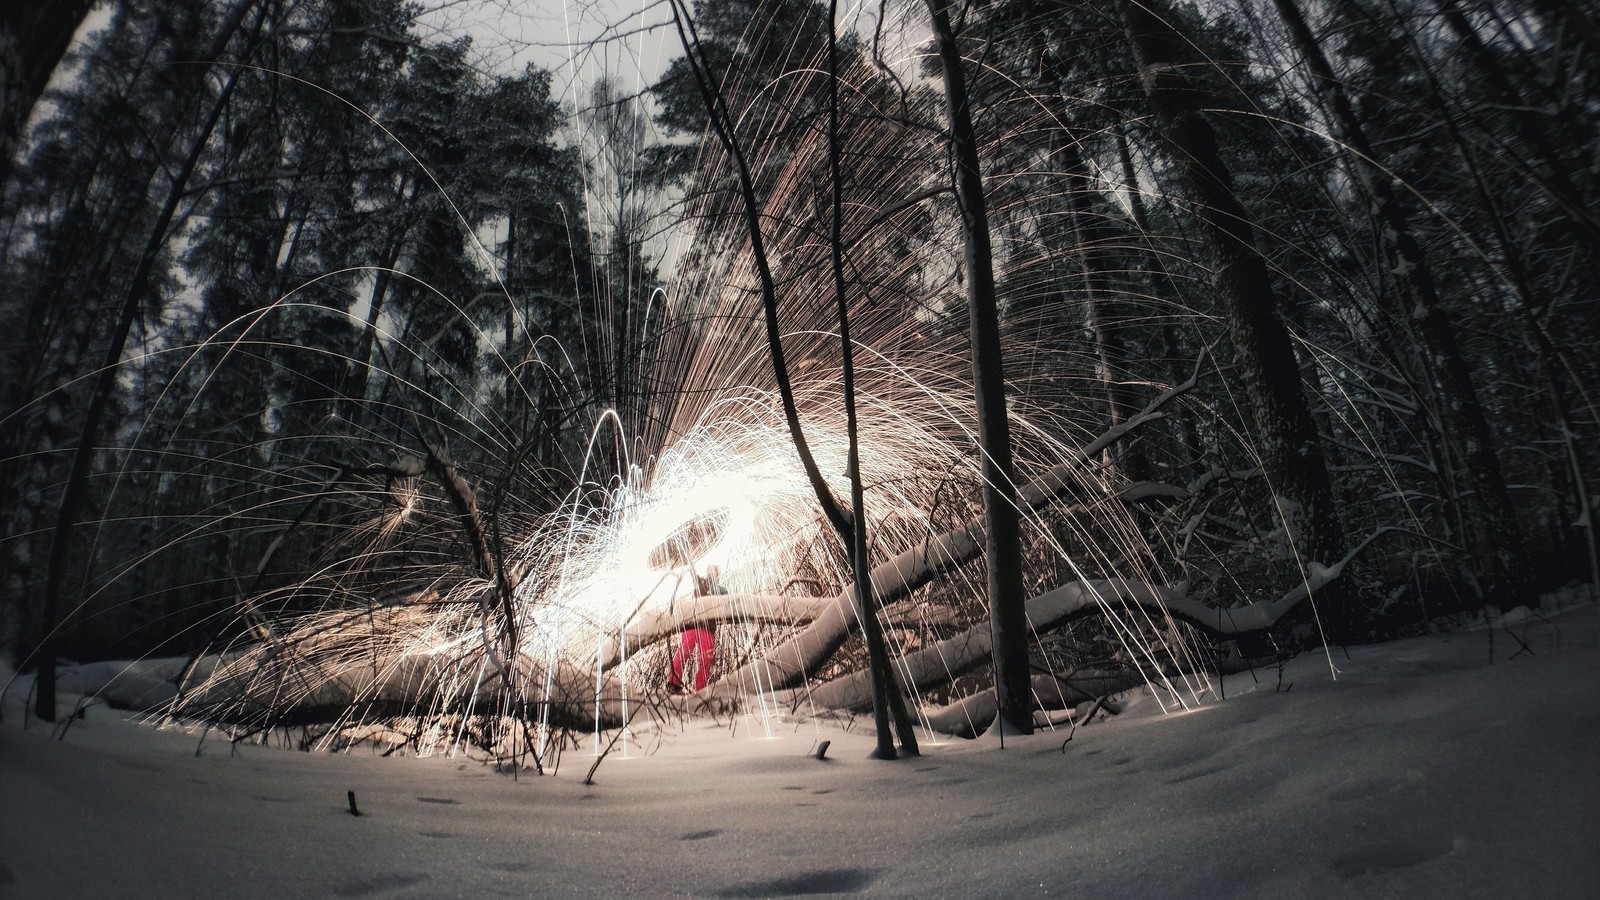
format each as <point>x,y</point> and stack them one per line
<point>702,643</point>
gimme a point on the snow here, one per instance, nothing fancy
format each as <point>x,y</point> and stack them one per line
<point>1424,770</point>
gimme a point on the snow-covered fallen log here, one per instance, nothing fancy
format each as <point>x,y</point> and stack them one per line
<point>253,683</point>
<point>940,662</point>
<point>313,676</point>
<point>970,715</point>
<point>653,625</point>
<point>894,579</point>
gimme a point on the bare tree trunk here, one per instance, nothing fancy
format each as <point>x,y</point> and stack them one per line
<point>1003,531</point>
<point>1112,353</point>
<point>1185,427</point>
<point>358,372</point>
<point>34,35</point>
<point>723,126</point>
<point>1546,168</point>
<point>1499,542</point>
<point>1291,451</point>
<point>886,696</point>
<point>850,528</point>
<point>105,378</point>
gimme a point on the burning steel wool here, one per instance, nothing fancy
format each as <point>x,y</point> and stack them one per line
<point>570,626</point>
<point>496,602</point>
<point>597,583</point>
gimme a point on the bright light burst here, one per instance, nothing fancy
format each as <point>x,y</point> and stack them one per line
<point>695,468</point>
<point>439,474</point>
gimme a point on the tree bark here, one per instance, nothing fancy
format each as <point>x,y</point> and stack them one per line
<point>850,528</point>
<point>1291,451</point>
<point>72,495</point>
<point>34,35</point>
<point>1003,521</point>
<point>1499,543</point>
<point>1184,430</point>
<point>1547,169</point>
<point>886,697</point>
<point>1112,352</point>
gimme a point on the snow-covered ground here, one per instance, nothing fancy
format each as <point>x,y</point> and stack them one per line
<point>1424,771</point>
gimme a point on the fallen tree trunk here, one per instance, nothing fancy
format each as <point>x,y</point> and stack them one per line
<point>254,687</point>
<point>969,716</point>
<point>416,678</point>
<point>420,679</point>
<point>239,688</point>
<point>894,579</point>
<point>653,625</point>
<point>957,655</point>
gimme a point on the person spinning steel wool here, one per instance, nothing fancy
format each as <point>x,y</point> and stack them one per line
<point>701,640</point>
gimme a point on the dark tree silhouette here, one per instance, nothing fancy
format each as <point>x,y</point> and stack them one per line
<point>33,38</point>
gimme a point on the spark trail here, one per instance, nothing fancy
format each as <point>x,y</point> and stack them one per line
<point>697,470</point>
<point>512,554</point>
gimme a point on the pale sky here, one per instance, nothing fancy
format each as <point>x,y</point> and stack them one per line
<point>579,40</point>
<point>632,40</point>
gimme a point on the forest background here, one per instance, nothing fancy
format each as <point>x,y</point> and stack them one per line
<point>1311,285</point>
